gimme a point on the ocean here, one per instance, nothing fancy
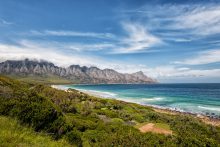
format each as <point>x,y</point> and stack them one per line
<point>193,98</point>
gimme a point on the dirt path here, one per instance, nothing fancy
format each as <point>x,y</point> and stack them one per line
<point>150,127</point>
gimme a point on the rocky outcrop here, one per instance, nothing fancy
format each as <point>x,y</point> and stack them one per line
<point>75,73</point>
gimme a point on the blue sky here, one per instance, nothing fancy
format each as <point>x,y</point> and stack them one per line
<point>172,41</point>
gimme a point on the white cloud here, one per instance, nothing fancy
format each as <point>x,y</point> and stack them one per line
<point>74,46</point>
<point>169,72</point>
<point>72,34</point>
<point>182,20</point>
<point>33,50</point>
<point>89,47</point>
<point>204,57</point>
<point>172,72</point>
<point>176,73</point>
<point>138,39</point>
<point>202,20</point>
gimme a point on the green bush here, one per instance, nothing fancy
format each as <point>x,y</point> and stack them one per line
<point>34,110</point>
<point>74,137</point>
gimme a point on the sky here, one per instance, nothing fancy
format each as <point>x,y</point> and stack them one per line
<point>173,41</point>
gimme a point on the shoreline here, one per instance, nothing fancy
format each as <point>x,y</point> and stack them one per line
<point>204,118</point>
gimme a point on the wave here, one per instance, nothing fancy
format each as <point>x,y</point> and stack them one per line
<point>153,99</point>
<point>99,93</point>
<point>103,94</point>
<point>131,100</point>
<point>210,108</point>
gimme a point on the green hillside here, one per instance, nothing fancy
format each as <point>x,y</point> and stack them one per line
<point>13,134</point>
<point>84,120</point>
<point>48,79</point>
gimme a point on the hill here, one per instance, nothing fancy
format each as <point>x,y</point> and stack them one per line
<point>13,134</point>
<point>84,120</point>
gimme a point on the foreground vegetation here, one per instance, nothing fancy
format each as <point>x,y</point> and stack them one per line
<point>84,120</point>
<point>13,134</point>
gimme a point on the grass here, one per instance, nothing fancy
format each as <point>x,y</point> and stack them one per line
<point>50,79</point>
<point>162,126</point>
<point>14,135</point>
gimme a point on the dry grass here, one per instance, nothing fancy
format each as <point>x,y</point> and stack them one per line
<point>155,128</point>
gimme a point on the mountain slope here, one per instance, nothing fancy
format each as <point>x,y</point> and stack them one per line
<point>73,73</point>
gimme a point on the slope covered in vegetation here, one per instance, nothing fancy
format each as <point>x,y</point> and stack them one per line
<point>85,120</point>
<point>13,134</point>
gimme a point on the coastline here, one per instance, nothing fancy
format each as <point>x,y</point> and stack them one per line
<point>203,118</point>
<point>206,119</point>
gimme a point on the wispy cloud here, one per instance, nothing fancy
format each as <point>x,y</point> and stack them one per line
<point>181,21</point>
<point>5,22</point>
<point>138,39</point>
<point>76,47</point>
<point>203,20</point>
<point>204,57</point>
<point>89,47</point>
<point>72,34</point>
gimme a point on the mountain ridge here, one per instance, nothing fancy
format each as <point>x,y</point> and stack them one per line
<point>75,73</point>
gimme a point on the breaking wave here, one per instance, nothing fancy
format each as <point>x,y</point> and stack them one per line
<point>153,99</point>
<point>103,94</point>
<point>210,108</point>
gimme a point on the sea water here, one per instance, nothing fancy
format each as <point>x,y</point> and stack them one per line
<point>193,98</point>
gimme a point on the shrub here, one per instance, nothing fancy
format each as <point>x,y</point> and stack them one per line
<point>33,110</point>
<point>74,137</point>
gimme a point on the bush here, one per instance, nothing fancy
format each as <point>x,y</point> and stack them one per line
<point>117,121</point>
<point>74,137</point>
<point>34,110</point>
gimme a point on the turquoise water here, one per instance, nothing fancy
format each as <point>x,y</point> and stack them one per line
<point>193,98</point>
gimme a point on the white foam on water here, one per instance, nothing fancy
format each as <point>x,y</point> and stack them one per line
<point>210,108</point>
<point>132,100</point>
<point>153,99</point>
<point>103,94</point>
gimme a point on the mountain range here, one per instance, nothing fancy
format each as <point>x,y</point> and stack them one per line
<point>73,73</point>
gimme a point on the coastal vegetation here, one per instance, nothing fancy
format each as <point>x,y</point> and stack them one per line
<point>13,134</point>
<point>78,119</point>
